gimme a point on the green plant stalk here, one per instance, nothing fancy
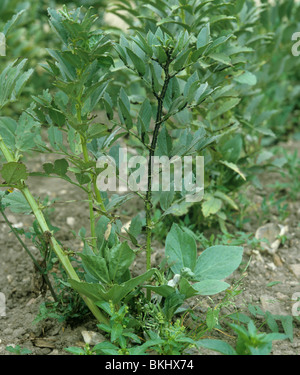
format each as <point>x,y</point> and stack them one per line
<point>98,195</point>
<point>89,187</point>
<point>94,178</point>
<point>148,198</point>
<point>63,258</point>
<point>90,195</point>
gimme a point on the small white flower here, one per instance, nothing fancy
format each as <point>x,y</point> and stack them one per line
<point>173,282</point>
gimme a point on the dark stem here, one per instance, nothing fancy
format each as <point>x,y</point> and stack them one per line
<point>148,198</point>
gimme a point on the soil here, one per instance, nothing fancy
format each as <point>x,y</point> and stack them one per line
<point>48,337</point>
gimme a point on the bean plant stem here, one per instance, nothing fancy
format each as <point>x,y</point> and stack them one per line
<point>90,193</point>
<point>148,200</point>
<point>63,258</point>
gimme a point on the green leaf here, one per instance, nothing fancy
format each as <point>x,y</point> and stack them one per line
<point>162,290</point>
<point>75,350</point>
<point>232,148</point>
<point>171,304</point>
<point>136,226</point>
<point>116,293</point>
<point>120,258</point>
<point>212,316</point>
<point>66,68</point>
<point>142,43</point>
<point>191,86</point>
<point>12,81</point>
<point>145,114</point>
<point>211,205</point>
<point>160,54</point>
<point>210,286</point>
<point>265,131</point>
<point>234,167</point>
<point>164,143</point>
<point>226,199</point>
<point>217,43</point>
<point>218,262</point>
<point>156,71</point>
<point>203,36</point>
<point>106,348</point>
<point>271,322</point>
<point>14,172</point>
<point>96,131</point>
<point>137,62</point>
<point>225,107</point>
<point>124,109</point>
<point>61,167</point>
<point>56,21</point>
<point>96,266</point>
<point>246,78</point>
<point>108,104</point>
<point>180,60</point>
<point>166,199</point>
<point>116,331</point>
<point>181,249</point>
<point>8,128</point>
<point>17,202</point>
<point>82,178</point>
<point>178,209</point>
<point>55,138</point>
<point>216,345</point>
<point>12,22</point>
<point>186,288</point>
<point>101,228</point>
<point>74,141</point>
<point>287,324</point>
<point>27,133</point>
<point>220,57</point>
<point>48,168</point>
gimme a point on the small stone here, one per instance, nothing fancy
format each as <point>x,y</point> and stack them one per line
<point>271,266</point>
<point>9,278</point>
<point>18,225</point>
<point>292,283</point>
<point>282,296</point>
<point>71,221</point>
<point>12,219</point>
<point>7,331</point>
<point>295,345</point>
<point>54,352</point>
<point>270,232</point>
<point>295,268</point>
<point>19,332</point>
<point>2,304</point>
<point>92,338</point>
<point>31,301</point>
<point>258,257</point>
<point>126,227</point>
<point>272,305</point>
<point>277,260</point>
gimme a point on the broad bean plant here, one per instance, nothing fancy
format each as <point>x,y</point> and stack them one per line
<point>172,87</point>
